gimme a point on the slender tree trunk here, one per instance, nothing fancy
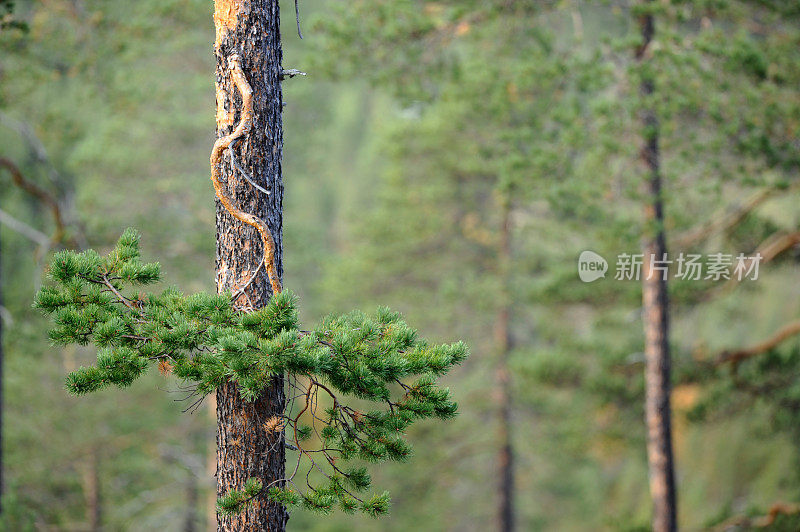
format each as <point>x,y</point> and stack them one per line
<point>656,315</point>
<point>211,469</point>
<point>503,345</point>
<point>250,28</point>
<point>92,492</point>
<point>2,361</point>
<point>192,498</point>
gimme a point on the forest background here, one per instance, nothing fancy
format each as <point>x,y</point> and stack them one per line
<point>451,159</point>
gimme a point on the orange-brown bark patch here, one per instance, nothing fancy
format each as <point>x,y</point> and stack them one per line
<point>226,13</point>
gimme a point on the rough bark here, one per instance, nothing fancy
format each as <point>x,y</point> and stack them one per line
<point>503,343</point>
<point>249,28</point>
<point>656,316</point>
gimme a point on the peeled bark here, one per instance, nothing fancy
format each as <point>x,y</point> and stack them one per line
<point>656,318</point>
<point>245,449</point>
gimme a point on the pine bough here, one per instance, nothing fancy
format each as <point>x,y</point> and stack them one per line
<point>352,359</point>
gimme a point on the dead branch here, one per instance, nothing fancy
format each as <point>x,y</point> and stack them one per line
<point>38,192</point>
<point>736,356</point>
<point>25,230</point>
<point>777,244</point>
<point>728,220</point>
<point>764,521</point>
<point>770,248</point>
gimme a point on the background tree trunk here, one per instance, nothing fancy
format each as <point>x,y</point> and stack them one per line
<point>503,343</point>
<point>1,378</point>
<point>656,316</point>
<point>250,28</point>
<point>92,491</point>
<point>192,499</point>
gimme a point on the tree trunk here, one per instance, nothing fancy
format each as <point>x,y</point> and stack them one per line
<point>503,344</point>
<point>192,498</point>
<point>92,493</point>
<point>1,377</point>
<point>656,315</point>
<point>249,28</point>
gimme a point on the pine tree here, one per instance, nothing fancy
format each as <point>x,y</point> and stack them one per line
<point>482,142</point>
<point>655,309</point>
<point>244,449</point>
<point>358,380</point>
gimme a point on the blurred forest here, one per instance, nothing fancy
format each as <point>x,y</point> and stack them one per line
<point>450,159</point>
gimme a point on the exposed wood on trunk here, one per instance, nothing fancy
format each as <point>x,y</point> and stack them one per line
<point>250,29</point>
<point>656,315</point>
<point>503,343</point>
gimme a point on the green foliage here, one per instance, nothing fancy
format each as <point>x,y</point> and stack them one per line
<point>492,93</point>
<point>7,19</point>
<point>205,340</point>
<point>234,501</point>
<point>538,104</point>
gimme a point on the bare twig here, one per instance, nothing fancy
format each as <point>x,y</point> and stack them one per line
<point>124,300</point>
<point>297,17</point>
<point>738,522</point>
<point>777,244</point>
<point>729,219</point>
<point>292,72</point>
<point>38,192</point>
<point>35,145</point>
<point>25,230</point>
<point>773,246</point>
<point>736,356</point>
<point>242,171</point>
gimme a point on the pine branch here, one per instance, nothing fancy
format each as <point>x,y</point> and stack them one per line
<point>202,339</point>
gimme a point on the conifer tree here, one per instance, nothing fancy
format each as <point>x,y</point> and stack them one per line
<point>655,311</point>
<point>345,390</point>
<point>244,448</point>
<point>486,140</point>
